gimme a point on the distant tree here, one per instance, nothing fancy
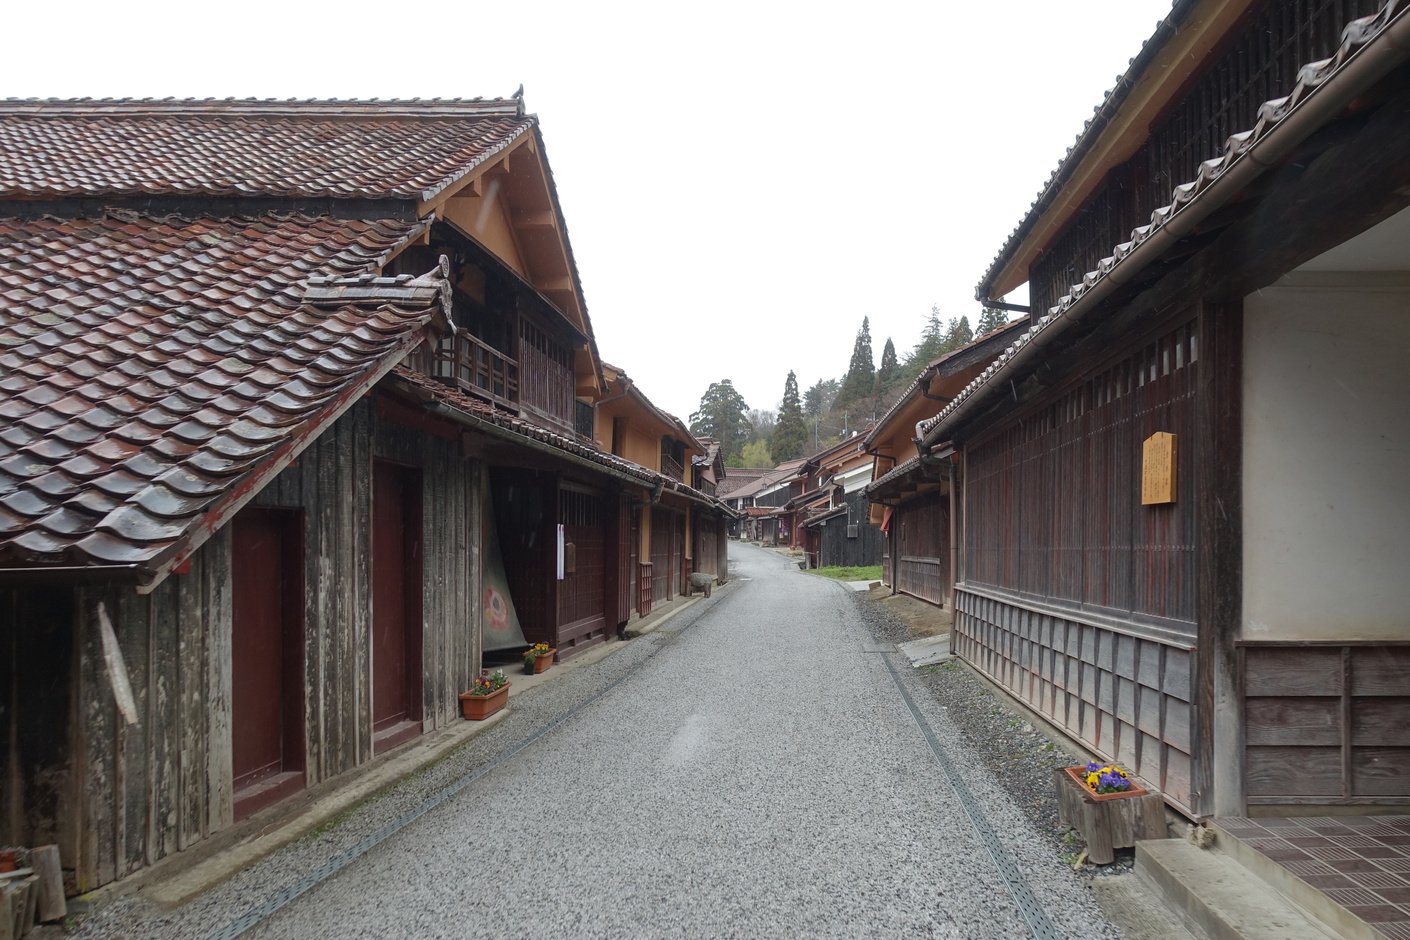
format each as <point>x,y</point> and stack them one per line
<point>755,454</point>
<point>957,334</point>
<point>930,347</point>
<point>889,371</point>
<point>763,423</point>
<point>791,435</point>
<point>723,415</point>
<point>990,320</point>
<point>817,401</point>
<point>861,371</point>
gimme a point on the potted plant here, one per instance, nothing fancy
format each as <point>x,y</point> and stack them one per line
<point>538,658</point>
<point>487,696</point>
<point>1105,781</point>
<point>1109,809</point>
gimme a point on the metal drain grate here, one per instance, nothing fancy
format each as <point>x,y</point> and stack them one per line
<point>1022,894</point>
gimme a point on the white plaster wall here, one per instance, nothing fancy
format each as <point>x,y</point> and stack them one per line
<point>1326,461</point>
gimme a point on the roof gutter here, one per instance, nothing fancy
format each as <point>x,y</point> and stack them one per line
<point>1191,205</point>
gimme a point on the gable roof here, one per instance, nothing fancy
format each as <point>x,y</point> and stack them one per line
<point>157,370</point>
<point>1370,48</point>
<point>409,150</point>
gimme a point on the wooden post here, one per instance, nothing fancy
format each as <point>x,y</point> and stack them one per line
<point>1218,747</point>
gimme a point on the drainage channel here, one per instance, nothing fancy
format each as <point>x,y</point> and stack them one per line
<point>1019,889</point>
<point>280,899</point>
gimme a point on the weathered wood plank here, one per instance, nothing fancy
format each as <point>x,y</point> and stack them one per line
<point>217,605</point>
<point>1307,771</point>
<point>1380,721</point>
<point>191,671</point>
<point>1293,721</point>
<point>49,884</point>
<point>1380,670</point>
<point>1292,672</point>
<point>132,762</point>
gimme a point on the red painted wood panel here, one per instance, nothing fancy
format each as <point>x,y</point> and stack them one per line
<point>266,644</point>
<point>396,596</point>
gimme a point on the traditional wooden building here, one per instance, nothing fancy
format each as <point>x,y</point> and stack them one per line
<point>911,496</point>
<point>265,396</point>
<point>1183,524</point>
<point>839,532</point>
<point>676,527</point>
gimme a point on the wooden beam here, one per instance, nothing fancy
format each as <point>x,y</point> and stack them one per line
<point>534,218</point>
<point>562,284</point>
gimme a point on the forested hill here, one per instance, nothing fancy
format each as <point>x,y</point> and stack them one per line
<point>802,423</point>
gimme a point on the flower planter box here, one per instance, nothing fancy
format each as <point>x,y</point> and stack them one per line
<point>1108,821</point>
<point>540,663</point>
<point>480,707</point>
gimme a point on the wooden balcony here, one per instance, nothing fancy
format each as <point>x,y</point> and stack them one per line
<point>672,469</point>
<point>480,370</point>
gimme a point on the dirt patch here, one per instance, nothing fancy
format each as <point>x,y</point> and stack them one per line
<point>921,618</point>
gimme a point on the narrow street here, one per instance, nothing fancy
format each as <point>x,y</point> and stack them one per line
<point>761,774</point>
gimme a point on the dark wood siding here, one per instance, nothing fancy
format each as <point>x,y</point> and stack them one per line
<point>664,564</point>
<point>849,540</point>
<point>922,547</point>
<point>1053,500</point>
<point>582,600</point>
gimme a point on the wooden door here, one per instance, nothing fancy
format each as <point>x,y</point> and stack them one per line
<point>582,600</point>
<point>396,604</point>
<point>266,721</point>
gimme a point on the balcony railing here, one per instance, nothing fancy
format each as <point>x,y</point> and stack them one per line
<point>583,423</point>
<point>479,369</point>
<point>672,469</point>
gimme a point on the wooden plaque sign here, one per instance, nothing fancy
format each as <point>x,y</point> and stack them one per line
<point>1158,469</point>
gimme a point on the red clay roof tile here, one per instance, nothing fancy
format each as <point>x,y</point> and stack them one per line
<point>313,149</point>
<point>132,414</point>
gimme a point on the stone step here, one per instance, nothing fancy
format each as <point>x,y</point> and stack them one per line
<point>1222,898</point>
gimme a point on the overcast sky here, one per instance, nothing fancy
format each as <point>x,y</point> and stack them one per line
<point>743,182</point>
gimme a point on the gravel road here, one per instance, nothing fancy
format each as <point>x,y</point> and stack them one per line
<point>760,775</point>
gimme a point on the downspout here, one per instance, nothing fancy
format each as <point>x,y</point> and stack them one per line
<point>1368,65</point>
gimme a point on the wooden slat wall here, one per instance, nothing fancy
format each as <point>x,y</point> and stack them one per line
<point>1053,500</point>
<point>160,786</point>
<point>706,535</point>
<point>922,547</point>
<point>1327,724</point>
<point>664,551</point>
<point>837,548</point>
<point>582,599</point>
<point>1127,697</point>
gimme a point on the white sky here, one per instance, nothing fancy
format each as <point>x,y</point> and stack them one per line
<point>768,172</point>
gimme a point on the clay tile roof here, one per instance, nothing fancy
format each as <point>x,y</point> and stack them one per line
<point>153,369</point>
<point>408,150</point>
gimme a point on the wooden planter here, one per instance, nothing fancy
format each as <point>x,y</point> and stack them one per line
<point>1108,821</point>
<point>480,707</point>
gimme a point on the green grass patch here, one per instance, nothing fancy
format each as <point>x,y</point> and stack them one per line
<point>869,573</point>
